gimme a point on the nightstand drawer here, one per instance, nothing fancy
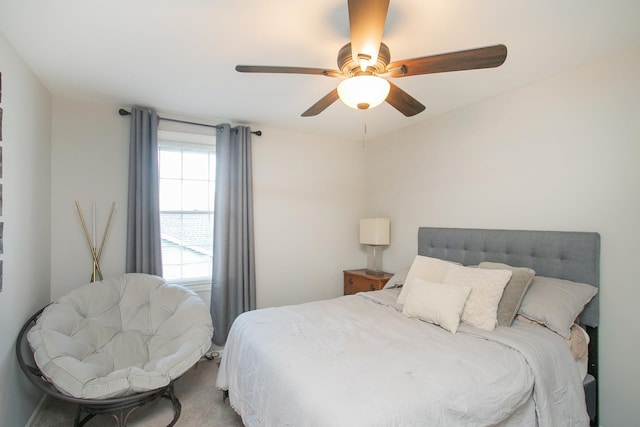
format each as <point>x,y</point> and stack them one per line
<point>358,281</point>
<point>354,285</point>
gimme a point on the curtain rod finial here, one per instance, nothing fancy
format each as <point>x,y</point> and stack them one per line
<point>123,112</point>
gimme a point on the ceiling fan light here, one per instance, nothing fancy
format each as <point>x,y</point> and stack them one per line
<point>363,92</point>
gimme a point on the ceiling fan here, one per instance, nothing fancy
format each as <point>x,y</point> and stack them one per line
<point>365,64</point>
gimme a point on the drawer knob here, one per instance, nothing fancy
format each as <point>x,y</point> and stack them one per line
<point>372,287</point>
<point>351,280</point>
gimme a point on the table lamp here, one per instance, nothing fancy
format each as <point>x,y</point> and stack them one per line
<point>374,232</point>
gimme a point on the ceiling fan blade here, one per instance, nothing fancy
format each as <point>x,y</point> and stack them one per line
<point>484,57</point>
<point>403,102</point>
<point>322,104</point>
<point>366,25</point>
<point>287,70</point>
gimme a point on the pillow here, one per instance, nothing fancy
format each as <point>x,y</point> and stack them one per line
<point>486,290</point>
<point>513,294</point>
<point>427,268</point>
<point>398,279</point>
<point>436,303</point>
<point>556,303</point>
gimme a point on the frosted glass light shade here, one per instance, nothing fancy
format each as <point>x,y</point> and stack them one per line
<point>374,231</point>
<point>363,92</point>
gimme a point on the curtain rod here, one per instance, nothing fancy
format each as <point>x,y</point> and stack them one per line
<point>124,112</point>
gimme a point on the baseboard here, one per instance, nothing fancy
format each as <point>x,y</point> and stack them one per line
<point>35,412</point>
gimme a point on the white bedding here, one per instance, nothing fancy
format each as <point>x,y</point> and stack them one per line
<point>357,361</point>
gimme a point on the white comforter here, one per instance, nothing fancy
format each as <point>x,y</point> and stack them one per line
<point>357,361</point>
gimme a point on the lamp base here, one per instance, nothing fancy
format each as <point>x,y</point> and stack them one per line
<point>374,260</point>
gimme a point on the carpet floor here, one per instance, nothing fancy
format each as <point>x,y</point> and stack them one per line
<point>201,406</point>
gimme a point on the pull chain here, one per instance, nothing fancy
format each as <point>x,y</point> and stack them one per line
<point>364,126</point>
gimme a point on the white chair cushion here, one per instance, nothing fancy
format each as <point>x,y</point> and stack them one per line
<point>120,336</point>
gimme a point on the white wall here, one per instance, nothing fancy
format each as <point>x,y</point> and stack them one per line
<point>561,154</point>
<point>90,161</point>
<point>26,195</point>
<point>308,196</point>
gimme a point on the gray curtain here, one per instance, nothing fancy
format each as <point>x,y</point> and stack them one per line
<point>233,284</point>
<point>143,210</point>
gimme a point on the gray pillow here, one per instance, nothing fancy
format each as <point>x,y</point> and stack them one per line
<point>556,303</point>
<point>514,291</point>
<point>397,280</point>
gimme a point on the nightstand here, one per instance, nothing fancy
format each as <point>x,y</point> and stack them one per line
<point>359,281</point>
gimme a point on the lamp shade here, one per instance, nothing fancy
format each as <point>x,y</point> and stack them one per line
<point>374,231</point>
<point>363,92</point>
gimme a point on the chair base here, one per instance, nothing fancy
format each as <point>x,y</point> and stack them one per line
<point>121,411</point>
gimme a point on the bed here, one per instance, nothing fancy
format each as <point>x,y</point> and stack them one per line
<point>369,360</point>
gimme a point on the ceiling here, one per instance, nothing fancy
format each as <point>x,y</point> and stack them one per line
<point>178,56</point>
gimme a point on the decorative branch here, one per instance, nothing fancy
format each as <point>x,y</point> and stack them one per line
<point>106,230</point>
<point>92,249</point>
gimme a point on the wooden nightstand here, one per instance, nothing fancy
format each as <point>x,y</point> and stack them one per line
<point>359,281</point>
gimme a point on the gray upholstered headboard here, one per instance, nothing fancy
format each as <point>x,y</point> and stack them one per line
<point>562,254</point>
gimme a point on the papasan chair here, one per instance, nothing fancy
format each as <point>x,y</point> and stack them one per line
<point>115,345</point>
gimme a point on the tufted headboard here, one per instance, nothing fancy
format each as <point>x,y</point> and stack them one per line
<point>562,254</point>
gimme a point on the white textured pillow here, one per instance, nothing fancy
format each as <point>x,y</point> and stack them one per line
<point>426,268</point>
<point>556,303</point>
<point>436,303</point>
<point>481,309</point>
<point>514,292</point>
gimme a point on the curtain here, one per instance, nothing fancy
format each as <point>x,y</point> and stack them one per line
<point>233,284</point>
<point>143,253</point>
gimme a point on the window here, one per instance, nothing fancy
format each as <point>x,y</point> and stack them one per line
<point>187,173</point>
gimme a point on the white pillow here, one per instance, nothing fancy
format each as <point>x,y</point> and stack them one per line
<point>426,268</point>
<point>481,309</point>
<point>436,303</point>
